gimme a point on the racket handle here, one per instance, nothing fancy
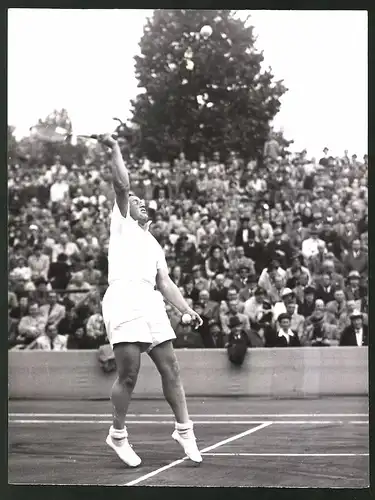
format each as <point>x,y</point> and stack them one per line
<point>96,136</point>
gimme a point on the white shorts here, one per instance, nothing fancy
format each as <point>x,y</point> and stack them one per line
<point>135,314</point>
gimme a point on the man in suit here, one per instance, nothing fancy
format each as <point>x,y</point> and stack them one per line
<point>50,341</point>
<point>52,311</point>
<point>325,290</point>
<point>354,290</point>
<point>357,333</point>
<point>242,235</point>
<point>210,308</point>
<point>356,259</point>
<point>278,244</point>
<point>307,306</point>
<point>237,342</point>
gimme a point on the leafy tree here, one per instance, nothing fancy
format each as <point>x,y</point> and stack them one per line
<point>202,94</point>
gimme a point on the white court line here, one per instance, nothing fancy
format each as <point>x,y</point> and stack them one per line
<point>199,422</point>
<point>204,415</point>
<point>286,454</point>
<point>209,448</point>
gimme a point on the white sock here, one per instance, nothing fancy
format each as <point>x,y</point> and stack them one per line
<point>181,428</point>
<point>118,433</point>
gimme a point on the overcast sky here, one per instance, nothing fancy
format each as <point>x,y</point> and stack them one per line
<point>83,60</point>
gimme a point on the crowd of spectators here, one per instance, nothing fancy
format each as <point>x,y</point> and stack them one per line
<point>276,249</point>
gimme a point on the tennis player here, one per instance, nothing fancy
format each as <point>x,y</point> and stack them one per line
<point>134,314</point>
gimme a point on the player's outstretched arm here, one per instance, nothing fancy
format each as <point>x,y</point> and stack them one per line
<point>173,295</point>
<point>120,173</point>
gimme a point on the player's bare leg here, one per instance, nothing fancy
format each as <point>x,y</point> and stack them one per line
<point>127,358</point>
<point>166,363</point>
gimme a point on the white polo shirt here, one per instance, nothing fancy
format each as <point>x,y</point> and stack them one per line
<point>134,255</point>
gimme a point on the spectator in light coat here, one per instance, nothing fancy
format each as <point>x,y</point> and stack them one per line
<point>50,341</point>
<point>53,312</point>
<point>31,326</point>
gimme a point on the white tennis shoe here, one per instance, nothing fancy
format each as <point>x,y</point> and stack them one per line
<point>185,436</point>
<point>124,450</point>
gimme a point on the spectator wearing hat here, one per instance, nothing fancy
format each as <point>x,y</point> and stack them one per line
<point>285,336</point>
<point>39,262</point>
<point>237,342</point>
<point>351,306</point>
<point>357,333</point>
<point>307,306</point>
<point>233,311</point>
<point>320,327</point>
<point>354,290</point>
<point>356,259</point>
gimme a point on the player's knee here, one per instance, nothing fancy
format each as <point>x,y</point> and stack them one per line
<point>128,378</point>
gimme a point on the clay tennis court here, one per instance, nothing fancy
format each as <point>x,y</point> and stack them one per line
<point>245,442</point>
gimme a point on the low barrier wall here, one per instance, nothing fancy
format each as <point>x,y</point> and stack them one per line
<point>275,373</point>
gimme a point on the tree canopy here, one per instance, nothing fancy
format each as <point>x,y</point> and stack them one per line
<point>202,94</point>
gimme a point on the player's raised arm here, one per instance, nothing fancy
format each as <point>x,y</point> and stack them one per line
<point>120,173</point>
